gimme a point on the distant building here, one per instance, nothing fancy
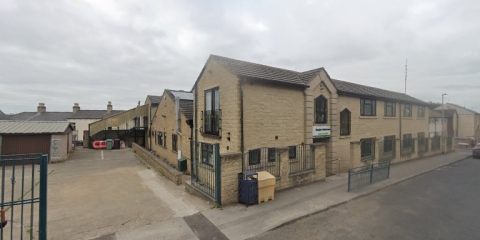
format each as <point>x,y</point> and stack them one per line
<point>468,120</point>
<point>79,119</point>
<point>4,116</point>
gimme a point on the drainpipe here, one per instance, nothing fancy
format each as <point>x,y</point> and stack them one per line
<point>241,124</point>
<point>194,149</point>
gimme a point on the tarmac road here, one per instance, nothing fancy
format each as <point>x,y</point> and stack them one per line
<point>442,204</point>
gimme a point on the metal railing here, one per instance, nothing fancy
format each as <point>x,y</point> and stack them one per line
<point>302,158</point>
<point>206,167</point>
<point>387,153</point>
<point>436,143</point>
<point>363,176</point>
<point>22,173</point>
<point>263,159</point>
<point>408,146</point>
<point>423,145</point>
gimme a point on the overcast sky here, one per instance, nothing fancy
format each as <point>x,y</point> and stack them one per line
<point>95,51</point>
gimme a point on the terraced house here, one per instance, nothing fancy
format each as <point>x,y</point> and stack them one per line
<point>170,130</point>
<point>299,126</point>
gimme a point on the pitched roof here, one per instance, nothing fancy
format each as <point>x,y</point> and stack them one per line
<point>45,116</point>
<point>446,113</point>
<point>154,99</point>
<point>308,75</point>
<point>457,106</point>
<point>10,127</point>
<point>259,71</point>
<point>182,95</point>
<point>348,88</point>
<point>186,107</point>
<point>4,116</point>
<point>93,114</point>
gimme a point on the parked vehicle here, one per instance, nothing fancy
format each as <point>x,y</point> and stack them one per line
<point>476,151</point>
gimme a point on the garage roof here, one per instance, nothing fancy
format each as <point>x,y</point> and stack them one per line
<point>23,127</point>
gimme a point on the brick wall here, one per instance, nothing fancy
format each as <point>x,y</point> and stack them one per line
<point>164,122</point>
<point>231,165</point>
<point>213,76</point>
<point>167,170</point>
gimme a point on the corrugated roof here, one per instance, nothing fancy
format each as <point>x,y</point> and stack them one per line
<point>23,127</point>
<point>259,71</point>
<point>349,88</point>
<point>182,95</point>
<point>93,114</point>
<point>4,116</point>
<point>186,107</point>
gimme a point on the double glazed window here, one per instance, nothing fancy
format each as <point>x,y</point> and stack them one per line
<point>388,144</point>
<point>207,153</point>
<point>254,156</point>
<point>321,109</point>
<point>292,152</point>
<point>174,142</point>
<point>421,111</point>
<point>407,110</point>
<point>407,141</point>
<point>212,111</point>
<point>368,107</point>
<point>345,122</point>
<point>367,147</point>
<point>160,138</point>
<point>389,109</point>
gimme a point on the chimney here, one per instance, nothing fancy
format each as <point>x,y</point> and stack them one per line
<point>76,107</point>
<point>138,105</point>
<point>109,106</point>
<point>41,108</point>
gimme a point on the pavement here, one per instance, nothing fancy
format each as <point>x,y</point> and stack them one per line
<point>241,222</point>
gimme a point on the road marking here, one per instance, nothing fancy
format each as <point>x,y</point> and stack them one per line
<point>102,154</point>
<point>181,209</point>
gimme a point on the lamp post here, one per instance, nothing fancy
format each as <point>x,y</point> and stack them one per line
<point>443,125</point>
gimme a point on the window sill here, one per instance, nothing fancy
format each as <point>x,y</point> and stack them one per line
<point>368,117</point>
<point>407,118</point>
<point>421,118</point>
<point>386,117</point>
<point>345,137</point>
<point>211,136</point>
<point>174,151</point>
<point>364,159</point>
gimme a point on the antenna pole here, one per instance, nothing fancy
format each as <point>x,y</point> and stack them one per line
<point>406,62</point>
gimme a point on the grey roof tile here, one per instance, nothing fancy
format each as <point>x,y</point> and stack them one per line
<point>154,99</point>
<point>4,116</point>
<point>45,116</point>
<point>23,127</point>
<point>259,71</point>
<point>93,114</point>
<point>349,88</point>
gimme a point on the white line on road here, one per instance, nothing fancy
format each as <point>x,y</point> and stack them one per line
<point>102,154</point>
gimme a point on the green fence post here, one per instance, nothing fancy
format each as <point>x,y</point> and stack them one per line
<point>388,172</point>
<point>218,180</point>
<point>42,221</point>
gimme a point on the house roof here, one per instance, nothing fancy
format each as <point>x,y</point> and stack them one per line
<point>4,116</point>
<point>446,113</point>
<point>259,71</point>
<point>186,107</point>
<point>182,95</point>
<point>457,106</point>
<point>154,99</point>
<point>93,114</point>
<point>45,116</point>
<point>348,88</point>
<point>308,75</point>
<point>11,127</point>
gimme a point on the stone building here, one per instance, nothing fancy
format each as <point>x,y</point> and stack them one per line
<point>296,125</point>
<point>170,130</point>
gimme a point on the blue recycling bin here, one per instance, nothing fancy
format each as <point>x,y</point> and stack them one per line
<point>248,187</point>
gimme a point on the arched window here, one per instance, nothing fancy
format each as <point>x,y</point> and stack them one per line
<point>345,122</point>
<point>321,109</point>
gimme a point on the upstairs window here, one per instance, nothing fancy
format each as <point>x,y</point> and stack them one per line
<point>212,112</point>
<point>345,122</point>
<point>368,107</point>
<point>389,109</point>
<point>174,142</point>
<point>321,109</point>
<point>421,111</point>
<point>407,110</point>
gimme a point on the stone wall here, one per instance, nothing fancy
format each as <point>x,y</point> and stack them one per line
<point>60,147</point>
<point>159,165</point>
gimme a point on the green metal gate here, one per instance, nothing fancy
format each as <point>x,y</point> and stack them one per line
<point>20,216</point>
<point>206,169</point>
